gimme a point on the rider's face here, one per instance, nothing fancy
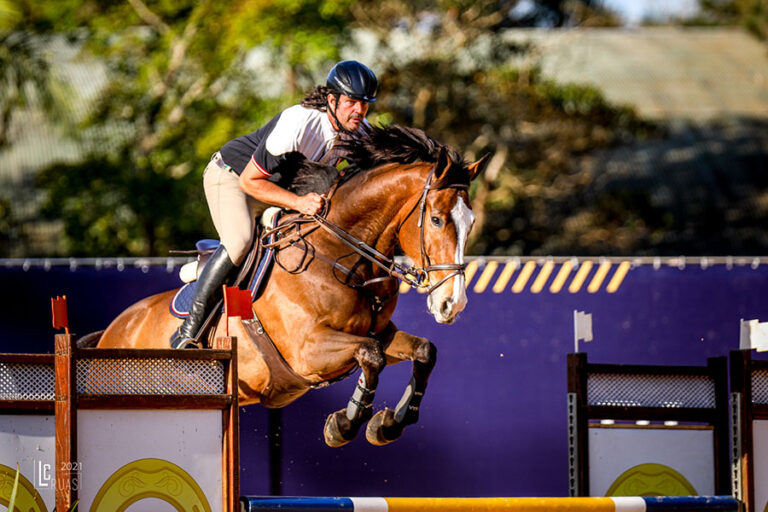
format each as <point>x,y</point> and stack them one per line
<point>349,112</point>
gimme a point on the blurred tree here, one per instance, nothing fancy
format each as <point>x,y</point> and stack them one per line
<point>180,84</point>
<point>7,225</point>
<point>559,13</point>
<point>469,84</point>
<point>752,14</point>
<point>25,76</point>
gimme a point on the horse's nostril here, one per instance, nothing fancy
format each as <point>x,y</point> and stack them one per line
<point>447,306</point>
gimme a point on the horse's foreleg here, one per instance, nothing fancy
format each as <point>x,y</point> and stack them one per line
<point>342,426</point>
<point>388,425</point>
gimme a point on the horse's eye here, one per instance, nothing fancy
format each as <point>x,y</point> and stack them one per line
<point>437,221</point>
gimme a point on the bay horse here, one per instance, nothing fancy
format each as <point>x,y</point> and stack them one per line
<point>328,302</point>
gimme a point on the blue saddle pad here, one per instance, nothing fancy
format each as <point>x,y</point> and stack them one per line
<point>182,301</point>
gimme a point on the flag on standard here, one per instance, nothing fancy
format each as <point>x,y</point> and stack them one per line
<point>582,328</point>
<point>754,334</point>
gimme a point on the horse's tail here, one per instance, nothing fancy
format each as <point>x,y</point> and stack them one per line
<point>89,340</point>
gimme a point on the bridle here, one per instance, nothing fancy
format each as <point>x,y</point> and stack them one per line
<point>426,262</point>
<point>415,276</point>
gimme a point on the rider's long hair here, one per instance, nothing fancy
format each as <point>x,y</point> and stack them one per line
<point>317,98</point>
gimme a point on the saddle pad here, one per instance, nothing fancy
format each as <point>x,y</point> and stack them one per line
<point>182,301</point>
<point>264,266</point>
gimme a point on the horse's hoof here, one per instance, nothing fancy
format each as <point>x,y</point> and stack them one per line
<point>333,429</point>
<point>381,422</point>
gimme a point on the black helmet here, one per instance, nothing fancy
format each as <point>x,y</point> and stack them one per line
<point>353,79</point>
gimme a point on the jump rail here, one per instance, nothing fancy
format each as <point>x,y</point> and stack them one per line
<point>622,504</point>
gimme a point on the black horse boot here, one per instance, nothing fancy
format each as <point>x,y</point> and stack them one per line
<point>207,293</point>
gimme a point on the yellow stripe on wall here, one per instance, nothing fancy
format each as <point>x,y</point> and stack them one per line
<point>485,277</point>
<point>618,277</point>
<point>562,275</point>
<point>469,272</point>
<point>506,275</point>
<point>597,281</point>
<point>541,279</point>
<point>581,276</point>
<point>522,279</point>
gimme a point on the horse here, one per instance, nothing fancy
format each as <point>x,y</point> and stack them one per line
<point>328,302</point>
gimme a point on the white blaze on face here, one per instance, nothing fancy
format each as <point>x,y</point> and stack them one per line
<point>444,302</point>
<point>463,218</point>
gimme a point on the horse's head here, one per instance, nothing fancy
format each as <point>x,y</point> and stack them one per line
<point>435,236</point>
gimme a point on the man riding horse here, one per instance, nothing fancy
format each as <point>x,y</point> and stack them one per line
<point>243,178</point>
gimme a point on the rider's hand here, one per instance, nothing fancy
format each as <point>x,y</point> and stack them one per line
<point>309,204</point>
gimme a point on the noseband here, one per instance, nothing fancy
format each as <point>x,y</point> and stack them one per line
<point>417,277</point>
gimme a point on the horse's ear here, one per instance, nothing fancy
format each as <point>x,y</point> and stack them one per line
<point>443,164</point>
<point>476,168</point>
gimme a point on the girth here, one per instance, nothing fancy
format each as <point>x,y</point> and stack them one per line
<point>284,384</point>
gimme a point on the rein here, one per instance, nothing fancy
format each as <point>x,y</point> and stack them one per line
<point>415,276</point>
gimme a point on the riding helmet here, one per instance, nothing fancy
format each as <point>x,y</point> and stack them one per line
<point>353,79</point>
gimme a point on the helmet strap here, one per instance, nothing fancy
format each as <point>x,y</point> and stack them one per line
<point>339,126</point>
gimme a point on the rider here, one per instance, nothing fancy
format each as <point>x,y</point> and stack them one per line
<point>239,182</point>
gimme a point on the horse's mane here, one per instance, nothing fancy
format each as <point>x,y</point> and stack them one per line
<point>402,145</point>
<point>379,146</point>
<point>307,175</point>
<point>393,144</point>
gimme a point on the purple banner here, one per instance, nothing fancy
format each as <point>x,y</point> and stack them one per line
<point>493,421</point>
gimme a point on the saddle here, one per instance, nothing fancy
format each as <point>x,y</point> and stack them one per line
<point>251,274</point>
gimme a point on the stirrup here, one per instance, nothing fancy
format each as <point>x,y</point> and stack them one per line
<point>179,342</point>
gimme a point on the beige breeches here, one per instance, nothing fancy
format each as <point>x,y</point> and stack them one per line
<point>232,210</point>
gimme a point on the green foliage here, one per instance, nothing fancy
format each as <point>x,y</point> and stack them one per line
<point>7,226</point>
<point>12,499</point>
<point>179,87</point>
<point>110,208</point>
<point>467,85</point>
<point>182,81</point>
<point>751,14</point>
<point>9,15</point>
<point>25,78</point>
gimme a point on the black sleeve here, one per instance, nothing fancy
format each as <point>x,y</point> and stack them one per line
<point>265,161</point>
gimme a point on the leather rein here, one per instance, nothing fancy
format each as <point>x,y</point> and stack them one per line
<point>415,276</point>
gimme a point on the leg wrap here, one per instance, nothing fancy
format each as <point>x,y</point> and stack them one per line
<point>361,400</point>
<point>409,403</point>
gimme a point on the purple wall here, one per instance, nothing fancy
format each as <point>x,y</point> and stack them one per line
<point>493,419</point>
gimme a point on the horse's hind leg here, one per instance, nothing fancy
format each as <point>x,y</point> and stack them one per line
<point>388,425</point>
<point>342,426</point>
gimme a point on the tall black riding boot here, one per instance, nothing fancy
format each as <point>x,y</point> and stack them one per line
<point>208,291</point>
